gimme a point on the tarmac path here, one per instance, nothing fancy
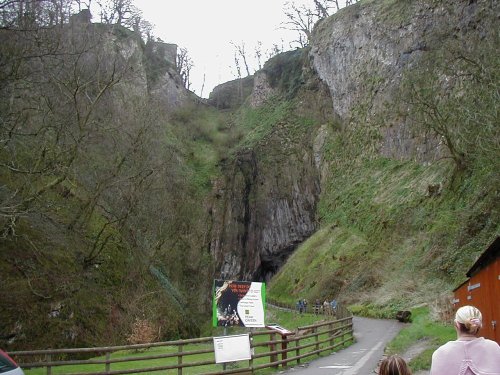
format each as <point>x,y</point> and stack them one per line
<point>362,357</point>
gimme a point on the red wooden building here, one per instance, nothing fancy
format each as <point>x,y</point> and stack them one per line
<point>482,289</point>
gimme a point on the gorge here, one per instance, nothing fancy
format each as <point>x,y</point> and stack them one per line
<point>361,167</point>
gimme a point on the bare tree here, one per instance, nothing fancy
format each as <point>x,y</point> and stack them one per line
<point>30,14</point>
<point>276,49</point>
<point>237,65</point>
<point>258,54</point>
<point>119,12</point>
<point>302,18</point>
<point>142,27</point>
<point>184,64</point>
<point>322,8</point>
<point>240,53</point>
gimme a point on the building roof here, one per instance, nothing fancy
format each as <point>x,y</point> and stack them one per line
<point>490,254</point>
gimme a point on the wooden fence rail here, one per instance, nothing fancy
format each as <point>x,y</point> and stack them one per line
<point>193,356</point>
<point>313,308</point>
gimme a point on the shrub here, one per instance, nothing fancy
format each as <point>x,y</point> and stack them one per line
<point>143,332</point>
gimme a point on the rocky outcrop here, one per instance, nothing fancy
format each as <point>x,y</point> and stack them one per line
<point>146,69</point>
<point>164,82</point>
<point>265,205</point>
<point>362,51</point>
<point>262,89</point>
<point>232,94</point>
<point>263,212</point>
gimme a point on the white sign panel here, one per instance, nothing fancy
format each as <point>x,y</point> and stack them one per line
<point>232,348</point>
<point>251,308</point>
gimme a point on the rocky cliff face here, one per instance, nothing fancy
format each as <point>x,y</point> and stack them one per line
<point>263,212</point>
<point>267,204</point>
<point>362,51</point>
<point>164,83</point>
<point>232,94</point>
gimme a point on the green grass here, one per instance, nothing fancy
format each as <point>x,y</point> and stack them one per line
<point>374,311</point>
<point>258,123</point>
<point>421,330</point>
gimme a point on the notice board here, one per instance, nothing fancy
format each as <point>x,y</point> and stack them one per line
<point>238,303</point>
<point>232,348</point>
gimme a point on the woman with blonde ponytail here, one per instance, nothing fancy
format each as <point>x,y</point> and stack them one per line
<point>468,354</point>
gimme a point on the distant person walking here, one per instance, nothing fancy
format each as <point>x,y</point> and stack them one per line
<point>326,308</point>
<point>300,306</point>
<point>394,365</point>
<point>469,354</point>
<point>333,304</point>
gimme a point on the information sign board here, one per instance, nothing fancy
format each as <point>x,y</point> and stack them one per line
<point>232,348</point>
<point>238,303</point>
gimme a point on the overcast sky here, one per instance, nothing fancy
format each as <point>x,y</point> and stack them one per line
<point>206,29</point>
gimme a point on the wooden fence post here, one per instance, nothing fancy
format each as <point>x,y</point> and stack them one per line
<point>49,367</point>
<point>179,360</point>
<point>330,333</point>
<point>108,364</point>
<point>272,348</point>
<point>297,349</point>
<point>316,337</point>
<point>284,346</point>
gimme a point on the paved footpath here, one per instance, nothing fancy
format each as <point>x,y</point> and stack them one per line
<point>361,358</point>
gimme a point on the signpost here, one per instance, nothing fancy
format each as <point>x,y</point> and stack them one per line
<point>284,337</point>
<point>236,303</point>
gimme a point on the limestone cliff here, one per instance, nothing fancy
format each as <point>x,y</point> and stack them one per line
<point>264,213</point>
<point>232,94</point>
<point>265,205</point>
<point>362,52</point>
<point>267,201</point>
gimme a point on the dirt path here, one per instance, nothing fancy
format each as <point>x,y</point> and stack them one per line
<point>414,351</point>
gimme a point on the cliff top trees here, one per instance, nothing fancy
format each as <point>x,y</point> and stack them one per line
<point>303,17</point>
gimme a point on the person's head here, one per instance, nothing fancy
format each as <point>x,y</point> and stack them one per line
<point>468,320</point>
<point>394,365</point>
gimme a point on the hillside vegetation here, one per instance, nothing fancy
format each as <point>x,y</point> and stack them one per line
<point>100,217</point>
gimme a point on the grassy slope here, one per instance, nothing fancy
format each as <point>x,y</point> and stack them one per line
<point>384,240</point>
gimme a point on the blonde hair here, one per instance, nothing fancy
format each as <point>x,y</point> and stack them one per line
<point>394,365</point>
<point>469,318</point>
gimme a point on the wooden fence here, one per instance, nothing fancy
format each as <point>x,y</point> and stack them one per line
<point>338,312</point>
<point>195,356</point>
